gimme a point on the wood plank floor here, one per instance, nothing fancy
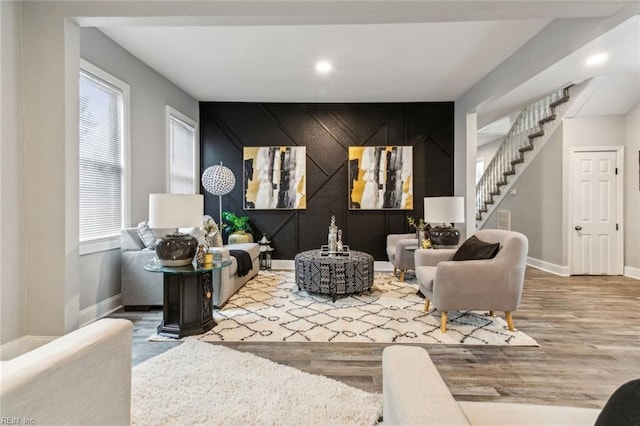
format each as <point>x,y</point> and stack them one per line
<point>588,329</point>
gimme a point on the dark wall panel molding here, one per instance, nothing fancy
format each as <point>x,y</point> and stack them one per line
<point>327,131</point>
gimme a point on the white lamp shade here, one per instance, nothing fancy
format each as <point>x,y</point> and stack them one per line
<point>218,180</point>
<point>444,209</point>
<point>176,210</point>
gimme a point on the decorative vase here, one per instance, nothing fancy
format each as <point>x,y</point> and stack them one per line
<point>238,237</point>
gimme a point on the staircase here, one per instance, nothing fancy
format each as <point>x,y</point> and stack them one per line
<point>529,132</point>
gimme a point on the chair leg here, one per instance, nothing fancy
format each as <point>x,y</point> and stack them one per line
<point>443,321</point>
<point>402,275</point>
<point>394,271</point>
<point>426,304</point>
<point>507,314</point>
<point>490,313</point>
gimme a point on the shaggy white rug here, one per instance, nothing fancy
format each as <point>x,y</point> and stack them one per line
<point>271,308</point>
<point>202,383</point>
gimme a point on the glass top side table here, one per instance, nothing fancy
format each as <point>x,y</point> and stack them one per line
<point>187,306</point>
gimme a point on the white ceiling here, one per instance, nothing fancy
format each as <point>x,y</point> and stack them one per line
<point>399,52</point>
<point>371,63</point>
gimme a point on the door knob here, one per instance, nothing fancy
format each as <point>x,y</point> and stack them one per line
<point>578,228</point>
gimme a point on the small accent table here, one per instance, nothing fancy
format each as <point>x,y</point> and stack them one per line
<point>334,275</point>
<point>187,298</point>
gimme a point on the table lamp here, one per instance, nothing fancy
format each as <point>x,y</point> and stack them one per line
<point>444,211</point>
<point>176,211</point>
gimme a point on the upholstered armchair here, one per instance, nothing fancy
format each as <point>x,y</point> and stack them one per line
<point>400,258</point>
<point>488,284</point>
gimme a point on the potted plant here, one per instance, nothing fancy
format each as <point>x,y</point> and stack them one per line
<point>239,228</point>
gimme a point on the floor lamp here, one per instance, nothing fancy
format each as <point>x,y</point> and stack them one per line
<point>218,180</point>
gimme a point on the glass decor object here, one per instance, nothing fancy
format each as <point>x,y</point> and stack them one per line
<point>332,238</point>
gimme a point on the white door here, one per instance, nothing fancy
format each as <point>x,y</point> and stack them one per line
<point>595,230</point>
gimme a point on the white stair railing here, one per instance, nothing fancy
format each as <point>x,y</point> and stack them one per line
<point>528,127</point>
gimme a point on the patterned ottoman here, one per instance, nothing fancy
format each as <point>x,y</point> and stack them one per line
<point>334,274</point>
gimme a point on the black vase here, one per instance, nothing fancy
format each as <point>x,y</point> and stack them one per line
<point>441,236</point>
<point>176,249</point>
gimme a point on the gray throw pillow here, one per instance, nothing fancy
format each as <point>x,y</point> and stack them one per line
<point>146,235</point>
<point>476,249</point>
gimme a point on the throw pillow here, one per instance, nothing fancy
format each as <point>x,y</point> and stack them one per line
<point>475,249</point>
<point>146,235</point>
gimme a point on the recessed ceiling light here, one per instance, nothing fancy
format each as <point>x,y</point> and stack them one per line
<point>597,59</point>
<point>323,66</point>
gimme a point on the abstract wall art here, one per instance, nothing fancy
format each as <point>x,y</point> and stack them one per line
<point>380,177</point>
<point>275,177</point>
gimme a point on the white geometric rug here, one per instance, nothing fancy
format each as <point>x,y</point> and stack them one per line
<point>202,383</point>
<point>271,308</point>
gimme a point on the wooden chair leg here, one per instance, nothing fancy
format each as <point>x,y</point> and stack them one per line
<point>443,321</point>
<point>402,275</point>
<point>394,271</point>
<point>490,313</point>
<point>426,304</point>
<point>507,314</point>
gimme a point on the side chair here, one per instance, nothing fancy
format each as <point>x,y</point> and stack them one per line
<point>488,284</point>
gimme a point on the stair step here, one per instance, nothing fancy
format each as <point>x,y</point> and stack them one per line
<point>483,210</point>
<point>547,119</point>
<point>526,148</point>
<point>537,134</point>
<point>501,183</point>
<point>560,101</point>
<point>517,161</point>
<point>494,193</point>
<point>509,173</point>
<point>488,202</point>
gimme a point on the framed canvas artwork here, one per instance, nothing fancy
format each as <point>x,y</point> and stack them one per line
<point>274,177</point>
<point>380,177</point>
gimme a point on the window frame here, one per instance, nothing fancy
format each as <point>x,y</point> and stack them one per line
<point>114,242</point>
<point>170,111</point>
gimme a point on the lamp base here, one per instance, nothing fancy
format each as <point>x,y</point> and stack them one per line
<point>176,249</point>
<point>444,236</point>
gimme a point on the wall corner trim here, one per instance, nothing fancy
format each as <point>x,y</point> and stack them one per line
<point>100,310</point>
<point>631,272</point>
<point>553,268</point>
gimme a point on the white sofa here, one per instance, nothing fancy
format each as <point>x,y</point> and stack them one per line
<point>81,378</point>
<point>415,394</point>
<point>143,288</point>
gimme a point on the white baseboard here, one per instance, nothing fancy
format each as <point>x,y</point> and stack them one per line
<point>563,271</point>
<point>22,345</point>
<point>99,310</point>
<point>285,265</point>
<point>289,265</point>
<point>631,272</point>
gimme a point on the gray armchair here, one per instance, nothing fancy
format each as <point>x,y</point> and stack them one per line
<point>400,258</point>
<point>492,284</point>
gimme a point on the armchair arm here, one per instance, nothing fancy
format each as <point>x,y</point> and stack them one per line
<point>392,239</point>
<point>223,250</point>
<point>432,257</point>
<point>404,258</point>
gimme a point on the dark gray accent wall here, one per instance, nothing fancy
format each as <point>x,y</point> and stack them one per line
<point>327,130</point>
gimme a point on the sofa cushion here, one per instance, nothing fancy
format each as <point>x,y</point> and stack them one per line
<point>476,249</point>
<point>252,248</point>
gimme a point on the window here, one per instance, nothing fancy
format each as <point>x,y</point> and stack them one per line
<point>103,138</point>
<point>183,155</point>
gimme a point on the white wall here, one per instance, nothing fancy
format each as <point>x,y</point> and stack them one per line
<point>632,192</point>
<point>536,208</point>
<point>150,92</point>
<point>488,151</point>
<point>12,205</point>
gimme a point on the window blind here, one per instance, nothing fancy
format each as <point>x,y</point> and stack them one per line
<point>182,151</point>
<point>101,157</point>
